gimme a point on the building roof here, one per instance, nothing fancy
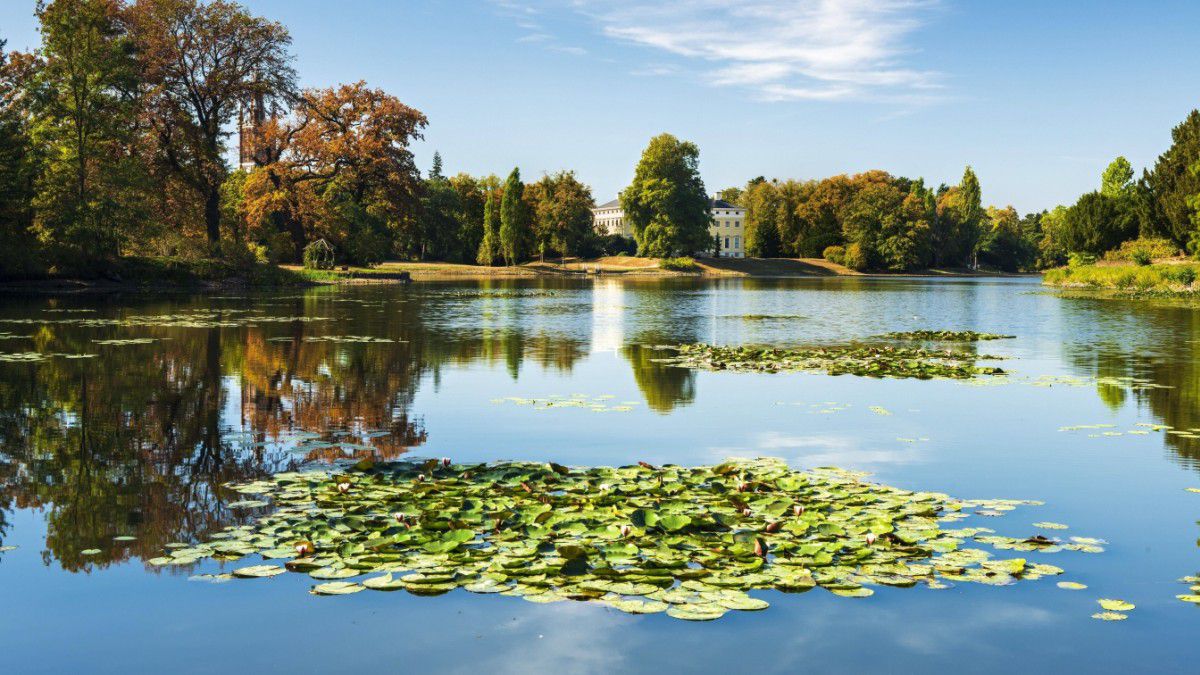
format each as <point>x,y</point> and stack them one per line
<point>712,204</point>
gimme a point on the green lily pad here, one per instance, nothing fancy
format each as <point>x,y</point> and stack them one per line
<point>1115,605</point>
<point>1071,585</point>
<point>336,588</point>
<point>1110,616</point>
<point>256,571</point>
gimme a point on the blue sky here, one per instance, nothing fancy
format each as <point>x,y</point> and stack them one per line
<point>1038,96</point>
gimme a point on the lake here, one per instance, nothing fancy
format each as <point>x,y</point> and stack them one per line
<point>187,393</point>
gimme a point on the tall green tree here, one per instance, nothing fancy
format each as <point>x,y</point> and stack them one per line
<point>89,189</point>
<point>471,198</point>
<point>514,220</point>
<point>564,212</point>
<point>438,219</point>
<point>763,204</point>
<point>666,204</point>
<point>1117,179</point>
<point>489,245</point>
<point>1096,224</point>
<point>1171,183</point>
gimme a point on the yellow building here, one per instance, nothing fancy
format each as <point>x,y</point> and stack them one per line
<point>728,224</point>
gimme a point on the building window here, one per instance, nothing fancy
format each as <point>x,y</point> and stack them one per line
<point>737,242</point>
<point>726,242</point>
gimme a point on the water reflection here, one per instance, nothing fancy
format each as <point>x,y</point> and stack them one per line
<point>1146,353</point>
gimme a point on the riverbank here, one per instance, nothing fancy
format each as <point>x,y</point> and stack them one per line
<point>622,266</point>
<point>1174,278</point>
<point>154,273</point>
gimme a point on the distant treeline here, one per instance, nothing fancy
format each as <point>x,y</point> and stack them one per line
<point>115,133</point>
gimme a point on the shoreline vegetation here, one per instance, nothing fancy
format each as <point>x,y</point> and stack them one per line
<point>134,274</point>
<point>1167,279</point>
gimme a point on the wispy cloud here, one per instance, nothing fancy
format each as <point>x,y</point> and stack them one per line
<point>781,50</point>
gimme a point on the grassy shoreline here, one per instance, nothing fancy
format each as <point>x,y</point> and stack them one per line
<point>1168,279</point>
<point>178,274</point>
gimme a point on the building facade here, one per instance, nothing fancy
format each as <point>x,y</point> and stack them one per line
<point>728,225</point>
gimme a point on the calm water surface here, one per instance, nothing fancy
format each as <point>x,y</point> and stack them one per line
<point>138,440</point>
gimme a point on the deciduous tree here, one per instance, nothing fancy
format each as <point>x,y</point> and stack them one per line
<point>666,204</point>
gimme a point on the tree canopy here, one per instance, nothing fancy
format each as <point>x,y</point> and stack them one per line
<point>666,204</point>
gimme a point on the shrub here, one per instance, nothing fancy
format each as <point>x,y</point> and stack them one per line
<point>1182,274</point>
<point>615,244</point>
<point>835,254</point>
<point>856,257</point>
<point>318,255</point>
<point>1143,248</point>
<point>679,264</point>
<point>1079,259</point>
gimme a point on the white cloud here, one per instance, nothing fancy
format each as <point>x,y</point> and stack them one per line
<point>779,49</point>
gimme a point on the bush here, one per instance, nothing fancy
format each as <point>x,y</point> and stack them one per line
<point>318,255</point>
<point>1183,274</point>
<point>835,254</point>
<point>1143,248</point>
<point>1078,259</point>
<point>679,264</point>
<point>856,258</point>
<point>615,244</point>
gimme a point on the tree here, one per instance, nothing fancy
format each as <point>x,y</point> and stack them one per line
<point>1003,244</point>
<point>472,195</point>
<point>1095,224</point>
<point>957,227</point>
<point>666,204</point>
<point>438,219</point>
<point>563,213</point>
<point>19,162</point>
<point>345,172</point>
<point>489,246</point>
<point>1117,179</point>
<point>1052,248</point>
<point>1171,182</point>
<point>200,61</point>
<point>514,220</point>
<point>733,195</point>
<point>762,203</point>
<point>88,188</point>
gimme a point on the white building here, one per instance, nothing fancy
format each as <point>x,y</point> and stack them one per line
<point>728,224</point>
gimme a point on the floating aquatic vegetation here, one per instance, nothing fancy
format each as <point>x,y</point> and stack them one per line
<point>764,317</point>
<point>1071,585</point>
<point>225,318</point>
<point>126,341</point>
<point>1114,605</point>
<point>897,362</point>
<point>558,402</point>
<point>36,357</point>
<point>1110,616</point>
<point>690,542</point>
<point>944,336</point>
<point>880,410</point>
<point>347,338</point>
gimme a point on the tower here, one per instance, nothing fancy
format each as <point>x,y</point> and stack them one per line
<point>251,115</point>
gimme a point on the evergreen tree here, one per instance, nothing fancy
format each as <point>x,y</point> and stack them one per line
<point>514,220</point>
<point>1171,183</point>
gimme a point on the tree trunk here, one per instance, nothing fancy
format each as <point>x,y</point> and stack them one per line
<point>212,216</point>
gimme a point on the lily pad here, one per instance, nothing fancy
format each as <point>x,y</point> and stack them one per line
<point>257,571</point>
<point>1115,605</point>
<point>336,588</point>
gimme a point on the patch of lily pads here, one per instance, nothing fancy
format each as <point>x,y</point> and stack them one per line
<point>691,542</point>
<point>944,336</point>
<point>862,360</point>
